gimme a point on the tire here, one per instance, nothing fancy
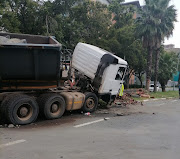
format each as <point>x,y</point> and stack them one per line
<point>3,106</point>
<point>90,103</point>
<point>20,109</point>
<point>52,105</point>
<point>2,115</point>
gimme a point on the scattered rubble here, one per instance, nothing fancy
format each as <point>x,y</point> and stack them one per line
<point>11,126</point>
<point>142,93</point>
<point>127,98</point>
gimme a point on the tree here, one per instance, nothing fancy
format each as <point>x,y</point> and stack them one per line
<point>167,16</point>
<point>122,15</point>
<point>23,16</point>
<point>155,23</point>
<point>167,66</point>
<point>92,21</point>
<point>140,66</point>
<point>76,21</point>
<point>8,19</point>
<point>122,39</point>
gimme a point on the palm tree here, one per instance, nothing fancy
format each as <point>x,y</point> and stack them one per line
<point>156,21</point>
<point>167,17</point>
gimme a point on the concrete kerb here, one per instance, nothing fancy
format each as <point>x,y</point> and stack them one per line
<point>146,100</point>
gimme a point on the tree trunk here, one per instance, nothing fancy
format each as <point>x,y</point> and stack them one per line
<point>140,79</point>
<point>149,66</point>
<point>127,80</point>
<point>127,83</point>
<point>141,82</point>
<point>163,88</point>
<point>157,56</point>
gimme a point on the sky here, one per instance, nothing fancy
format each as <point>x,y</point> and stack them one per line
<point>175,38</point>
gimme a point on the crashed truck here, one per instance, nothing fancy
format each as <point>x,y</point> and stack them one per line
<point>31,81</point>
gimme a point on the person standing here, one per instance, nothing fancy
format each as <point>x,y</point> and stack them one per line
<point>179,84</point>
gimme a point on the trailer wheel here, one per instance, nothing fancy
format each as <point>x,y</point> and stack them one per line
<point>2,114</point>
<point>52,105</point>
<point>90,103</point>
<point>20,109</point>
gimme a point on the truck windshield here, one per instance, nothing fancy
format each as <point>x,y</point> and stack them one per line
<point>120,73</point>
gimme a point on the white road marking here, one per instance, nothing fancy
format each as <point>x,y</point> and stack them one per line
<point>161,104</point>
<point>145,100</point>
<point>88,123</point>
<point>12,143</point>
<point>174,101</point>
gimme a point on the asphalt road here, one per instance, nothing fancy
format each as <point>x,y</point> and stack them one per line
<point>151,131</point>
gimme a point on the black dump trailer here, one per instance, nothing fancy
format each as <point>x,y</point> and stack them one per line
<point>33,64</point>
<point>30,75</point>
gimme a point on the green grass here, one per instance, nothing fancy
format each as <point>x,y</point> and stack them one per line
<point>168,94</point>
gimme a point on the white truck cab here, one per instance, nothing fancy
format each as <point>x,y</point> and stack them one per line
<point>105,69</point>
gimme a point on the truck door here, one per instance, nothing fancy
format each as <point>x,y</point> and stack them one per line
<point>112,79</point>
<point>118,80</point>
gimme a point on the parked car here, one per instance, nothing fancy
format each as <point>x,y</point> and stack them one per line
<point>151,88</point>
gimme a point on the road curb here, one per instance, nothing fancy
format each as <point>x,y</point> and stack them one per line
<point>147,100</point>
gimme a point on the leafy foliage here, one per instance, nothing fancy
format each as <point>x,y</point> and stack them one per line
<point>167,66</point>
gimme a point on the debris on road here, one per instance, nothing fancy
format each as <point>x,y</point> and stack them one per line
<point>120,114</point>
<point>88,113</point>
<point>125,100</point>
<point>142,93</point>
<point>11,126</point>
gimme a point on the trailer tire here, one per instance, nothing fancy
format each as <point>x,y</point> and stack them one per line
<point>20,109</point>
<point>52,105</point>
<point>3,108</point>
<point>90,103</point>
<point>3,119</point>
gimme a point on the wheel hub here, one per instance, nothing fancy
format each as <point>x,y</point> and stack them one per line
<point>90,103</point>
<point>23,111</point>
<point>54,108</point>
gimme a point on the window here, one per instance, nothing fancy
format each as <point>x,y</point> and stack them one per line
<point>120,73</point>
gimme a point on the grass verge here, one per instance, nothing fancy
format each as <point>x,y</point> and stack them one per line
<point>168,94</point>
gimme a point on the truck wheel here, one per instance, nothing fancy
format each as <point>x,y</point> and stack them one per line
<point>2,115</point>
<point>52,105</point>
<point>90,103</point>
<point>20,109</point>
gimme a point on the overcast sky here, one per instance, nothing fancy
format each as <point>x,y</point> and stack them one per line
<point>175,39</point>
